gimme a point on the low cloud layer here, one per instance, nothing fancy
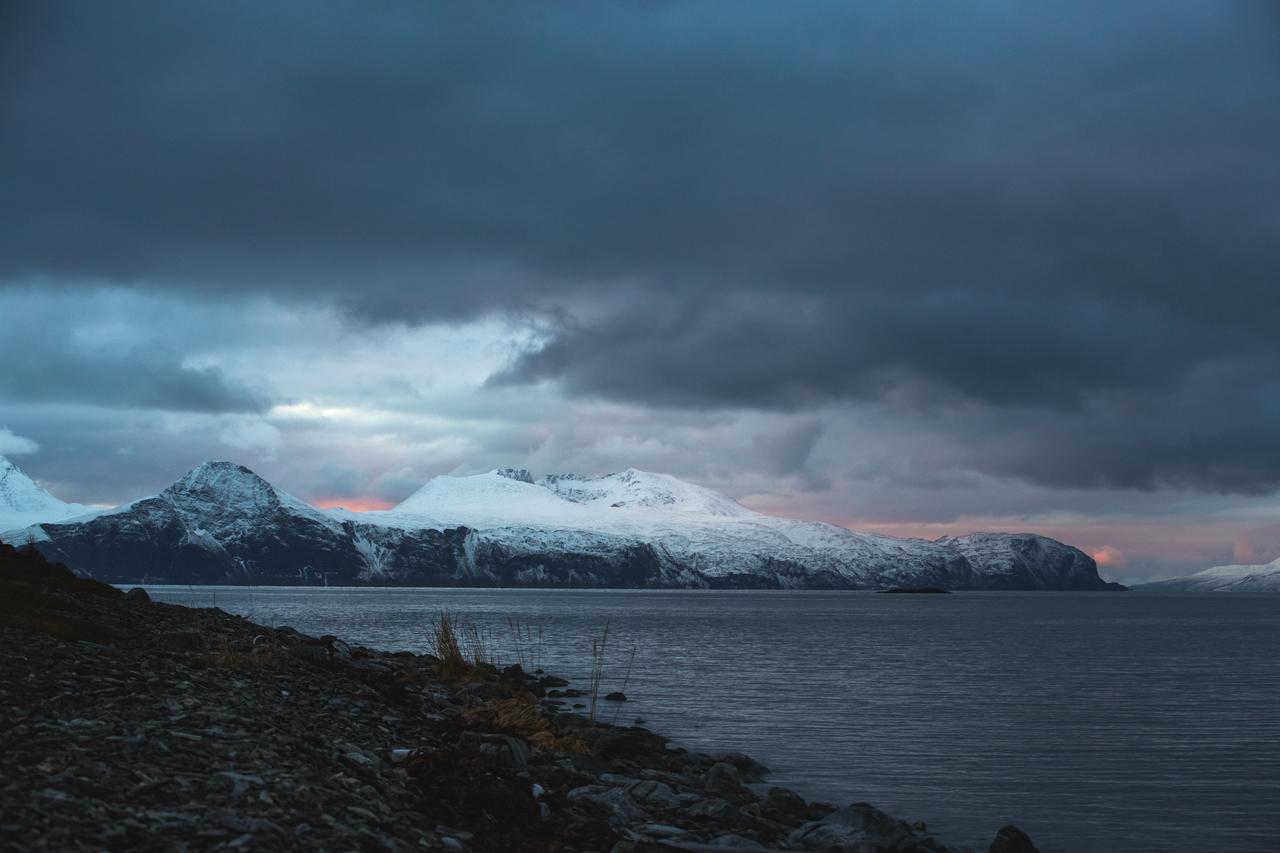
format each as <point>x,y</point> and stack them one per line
<point>15,445</point>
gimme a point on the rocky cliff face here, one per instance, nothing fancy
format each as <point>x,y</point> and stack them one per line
<point>1027,561</point>
<point>221,523</point>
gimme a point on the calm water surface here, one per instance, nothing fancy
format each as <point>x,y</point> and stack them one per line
<point>1134,722</point>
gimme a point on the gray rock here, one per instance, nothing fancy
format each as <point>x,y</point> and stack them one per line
<point>616,802</point>
<point>724,781</point>
<point>662,830</point>
<point>628,743</point>
<point>785,802</point>
<point>651,793</point>
<point>860,828</point>
<point>1010,839</point>
<point>509,749</point>
<point>748,768</point>
<point>716,809</point>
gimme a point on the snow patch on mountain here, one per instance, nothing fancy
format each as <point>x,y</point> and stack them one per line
<point>490,499</point>
<point>634,489</point>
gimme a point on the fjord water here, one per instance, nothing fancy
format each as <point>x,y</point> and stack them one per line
<point>1094,721</point>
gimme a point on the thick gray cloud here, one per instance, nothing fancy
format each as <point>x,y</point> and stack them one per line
<point>1042,237</point>
<point>142,378</point>
<point>88,349</point>
<point>419,163</point>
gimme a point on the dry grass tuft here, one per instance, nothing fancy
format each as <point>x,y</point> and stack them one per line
<point>460,646</point>
<point>444,643</point>
<point>520,716</point>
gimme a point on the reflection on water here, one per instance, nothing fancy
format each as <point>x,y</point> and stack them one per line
<point>1139,722</point>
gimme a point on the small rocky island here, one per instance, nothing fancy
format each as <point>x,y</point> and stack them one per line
<point>131,724</point>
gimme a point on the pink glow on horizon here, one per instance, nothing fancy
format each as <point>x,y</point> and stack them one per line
<point>1109,557</point>
<point>355,504</point>
<point>1124,548</point>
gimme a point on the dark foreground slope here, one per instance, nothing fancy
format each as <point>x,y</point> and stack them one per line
<point>129,724</point>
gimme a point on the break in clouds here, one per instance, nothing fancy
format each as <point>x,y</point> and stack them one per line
<point>902,266</point>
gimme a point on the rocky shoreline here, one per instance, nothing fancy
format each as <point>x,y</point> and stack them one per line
<point>127,724</point>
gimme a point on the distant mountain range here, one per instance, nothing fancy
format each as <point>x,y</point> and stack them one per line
<point>221,523</point>
<point>1222,579</point>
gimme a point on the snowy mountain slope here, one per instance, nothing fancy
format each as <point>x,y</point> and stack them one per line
<point>23,502</point>
<point>641,489</point>
<point>1222,579</point>
<point>223,523</point>
<point>698,533</point>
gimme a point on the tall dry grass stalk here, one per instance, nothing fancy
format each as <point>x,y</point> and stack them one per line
<point>526,640</point>
<point>598,647</point>
<point>626,679</point>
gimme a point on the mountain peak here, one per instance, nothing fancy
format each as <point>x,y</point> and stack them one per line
<point>225,483</point>
<point>23,501</point>
<point>19,493</point>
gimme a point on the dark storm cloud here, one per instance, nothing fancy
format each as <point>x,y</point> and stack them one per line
<point>1218,433</point>
<point>1051,212</point>
<point>1053,350</point>
<point>389,156</point>
<point>138,379</point>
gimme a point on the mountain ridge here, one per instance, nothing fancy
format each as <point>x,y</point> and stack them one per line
<point>221,522</point>
<point>1230,578</point>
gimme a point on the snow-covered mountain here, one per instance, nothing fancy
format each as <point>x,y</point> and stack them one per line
<point>221,522</point>
<point>1222,579</point>
<point>23,502</point>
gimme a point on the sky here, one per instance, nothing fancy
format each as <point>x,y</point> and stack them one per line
<point>910,267</point>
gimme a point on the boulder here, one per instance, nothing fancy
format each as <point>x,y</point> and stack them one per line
<point>628,743</point>
<point>860,828</point>
<point>780,801</point>
<point>652,793</point>
<point>615,803</point>
<point>1010,839</point>
<point>724,781</point>
<point>750,769</point>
